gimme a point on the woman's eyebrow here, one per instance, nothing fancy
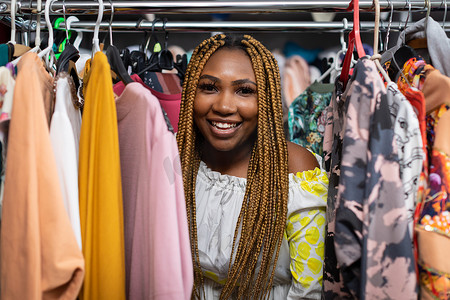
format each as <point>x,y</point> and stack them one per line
<point>241,81</point>
<point>215,79</point>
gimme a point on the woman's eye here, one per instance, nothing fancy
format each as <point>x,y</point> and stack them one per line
<point>207,87</point>
<point>246,91</point>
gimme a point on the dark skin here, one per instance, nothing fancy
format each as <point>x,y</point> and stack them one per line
<point>226,113</point>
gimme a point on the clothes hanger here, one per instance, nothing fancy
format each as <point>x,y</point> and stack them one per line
<point>95,40</point>
<point>113,55</point>
<point>37,39</point>
<point>156,45</point>
<point>445,14</point>
<point>49,50</point>
<point>165,57</point>
<point>376,57</point>
<point>354,39</point>
<point>19,49</point>
<point>69,56</point>
<point>402,54</point>
<point>335,64</point>
<point>162,60</point>
<point>386,41</point>
<point>79,37</point>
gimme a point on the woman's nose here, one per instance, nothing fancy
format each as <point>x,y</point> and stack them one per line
<point>225,104</point>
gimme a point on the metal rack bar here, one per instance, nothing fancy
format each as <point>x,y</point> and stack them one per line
<point>238,26</point>
<point>221,6</point>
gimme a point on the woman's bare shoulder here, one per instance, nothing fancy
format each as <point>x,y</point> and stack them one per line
<point>300,159</point>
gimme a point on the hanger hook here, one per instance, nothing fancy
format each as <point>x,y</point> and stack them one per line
<point>95,40</point>
<point>428,3</point>
<point>445,14</point>
<point>110,22</point>
<point>166,37</point>
<point>409,13</point>
<point>342,39</point>
<point>386,42</point>
<point>65,20</point>
<point>150,37</point>
<point>13,21</point>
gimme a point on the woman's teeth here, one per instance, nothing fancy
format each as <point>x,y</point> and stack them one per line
<point>224,125</point>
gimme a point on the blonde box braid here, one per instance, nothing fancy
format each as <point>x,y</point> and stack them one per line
<point>262,218</point>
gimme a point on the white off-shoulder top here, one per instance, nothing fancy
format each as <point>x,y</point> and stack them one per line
<point>298,274</point>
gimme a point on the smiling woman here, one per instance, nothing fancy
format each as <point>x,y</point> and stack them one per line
<point>255,203</point>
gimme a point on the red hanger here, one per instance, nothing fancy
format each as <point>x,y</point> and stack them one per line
<point>354,39</point>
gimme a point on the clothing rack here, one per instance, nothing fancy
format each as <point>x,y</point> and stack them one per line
<point>238,26</point>
<point>58,7</point>
<point>221,6</point>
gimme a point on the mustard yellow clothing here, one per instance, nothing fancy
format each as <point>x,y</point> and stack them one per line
<point>40,257</point>
<point>101,211</point>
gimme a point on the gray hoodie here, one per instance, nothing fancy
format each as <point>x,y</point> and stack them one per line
<point>437,42</point>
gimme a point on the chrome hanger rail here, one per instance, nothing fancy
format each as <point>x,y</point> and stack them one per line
<point>237,26</point>
<point>221,6</point>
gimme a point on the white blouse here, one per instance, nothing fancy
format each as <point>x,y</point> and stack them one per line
<point>298,273</point>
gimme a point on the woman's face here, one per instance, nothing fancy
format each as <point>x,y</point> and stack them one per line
<point>226,102</point>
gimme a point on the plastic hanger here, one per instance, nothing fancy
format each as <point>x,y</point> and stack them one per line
<point>354,39</point>
<point>376,57</point>
<point>335,65</point>
<point>95,40</point>
<point>37,40</point>
<point>162,60</point>
<point>19,49</point>
<point>113,55</point>
<point>62,46</point>
<point>49,49</point>
<point>69,56</point>
<point>165,57</point>
<point>156,45</point>
<point>13,22</point>
<point>79,37</point>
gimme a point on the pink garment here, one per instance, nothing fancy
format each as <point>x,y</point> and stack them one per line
<point>296,78</point>
<point>157,249</point>
<point>169,102</point>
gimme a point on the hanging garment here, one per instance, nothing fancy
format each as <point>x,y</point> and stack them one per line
<point>170,102</point>
<point>295,78</point>
<point>171,105</point>
<point>333,282</point>
<point>298,274</point>
<point>433,230</point>
<point>100,187</point>
<point>65,136</point>
<point>7,84</point>
<point>307,116</point>
<point>410,152</point>
<point>371,237</point>
<point>4,54</point>
<point>40,258</point>
<point>417,100</point>
<point>166,83</point>
<point>157,245</point>
<point>438,44</point>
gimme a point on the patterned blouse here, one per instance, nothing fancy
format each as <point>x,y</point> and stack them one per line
<point>367,234</point>
<point>307,116</point>
<point>434,218</point>
<point>298,274</point>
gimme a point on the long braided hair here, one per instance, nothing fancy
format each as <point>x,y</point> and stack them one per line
<point>262,218</point>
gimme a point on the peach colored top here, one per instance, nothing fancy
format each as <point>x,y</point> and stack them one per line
<point>40,257</point>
